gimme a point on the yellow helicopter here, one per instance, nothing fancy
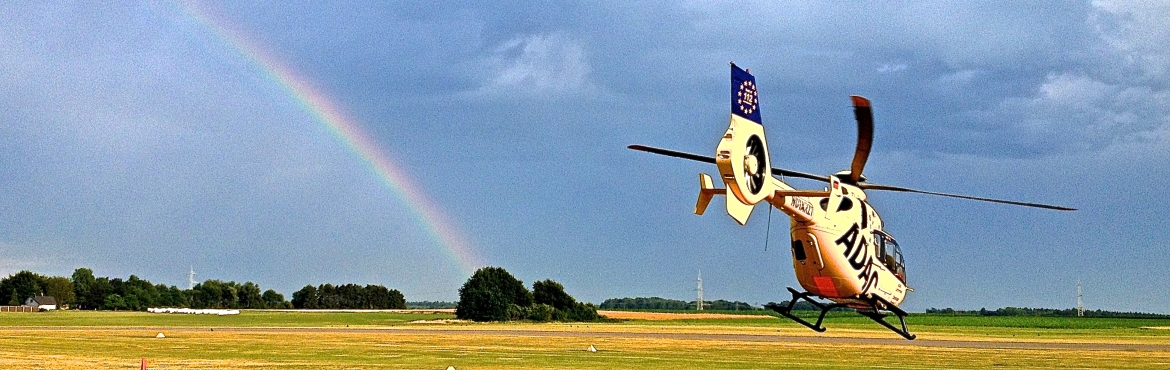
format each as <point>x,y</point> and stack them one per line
<point>839,249</point>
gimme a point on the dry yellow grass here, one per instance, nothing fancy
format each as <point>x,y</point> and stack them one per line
<point>378,341</point>
<point>259,349</point>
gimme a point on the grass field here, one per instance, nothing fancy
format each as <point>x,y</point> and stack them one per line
<point>415,341</point>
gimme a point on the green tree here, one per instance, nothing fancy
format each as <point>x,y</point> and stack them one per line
<point>114,302</point>
<point>171,296</point>
<point>327,297</point>
<point>489,292</point>
<point>553,294</point>
<point>565,308</point>
<point>307,297</point>
<point>216,294</point>
<point>351,296</point>
<point>102,287</point>
<point>60,288</point>
<point>21,286</point>
<point>83,282</point>
<point>397,300</point>
<point>272,299</point>
<point>139,294</point>
<point>377,297</point>
<point>583,312</point>
<point>250,296</point>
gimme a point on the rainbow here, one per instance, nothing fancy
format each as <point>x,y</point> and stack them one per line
<point>326,112</point>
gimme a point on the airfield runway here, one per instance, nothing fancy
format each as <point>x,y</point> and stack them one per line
<point>989,344</point>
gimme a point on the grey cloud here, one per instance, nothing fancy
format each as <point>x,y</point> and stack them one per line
<point>537,65</point>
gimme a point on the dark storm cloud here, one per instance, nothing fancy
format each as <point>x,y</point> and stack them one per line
<point>137,129</point>
<point>1031,79</point>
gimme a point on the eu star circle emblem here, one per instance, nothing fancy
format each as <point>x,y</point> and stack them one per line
<point>747,97</point>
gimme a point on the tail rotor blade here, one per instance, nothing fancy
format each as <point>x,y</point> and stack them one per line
<point>864,115</point>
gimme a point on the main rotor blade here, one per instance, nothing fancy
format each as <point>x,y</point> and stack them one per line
<point>868,186</point>
<point>864,115</point>
<point>672,153</point>
<point>791,173</point>
<point>711,160</point>
<point>864,185</point>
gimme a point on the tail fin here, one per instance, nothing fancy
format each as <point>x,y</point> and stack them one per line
<point>707,190</point>
<point>742,154</point>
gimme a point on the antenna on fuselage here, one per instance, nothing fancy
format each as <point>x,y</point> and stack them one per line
<point>768,231</point>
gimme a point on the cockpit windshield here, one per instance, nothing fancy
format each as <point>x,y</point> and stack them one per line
<point>891,255</point>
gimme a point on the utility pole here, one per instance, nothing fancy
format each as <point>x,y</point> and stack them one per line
<point>699,302</point>
<point>191,279</point>
<point>1080,302</point>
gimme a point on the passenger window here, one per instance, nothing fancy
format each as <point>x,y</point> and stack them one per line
<point>798,250</point>
<point>845,205</point>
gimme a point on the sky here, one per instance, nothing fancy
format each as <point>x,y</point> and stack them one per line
<point>408,143</point>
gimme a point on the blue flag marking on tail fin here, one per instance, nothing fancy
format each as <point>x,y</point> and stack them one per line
<point>745,100</point>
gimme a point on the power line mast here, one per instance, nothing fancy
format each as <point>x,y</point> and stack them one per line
<point>191,279</point>
<point>1080,302</point>
<point>699,301</point>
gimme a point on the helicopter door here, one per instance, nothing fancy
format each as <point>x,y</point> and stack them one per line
<point>891,254</point>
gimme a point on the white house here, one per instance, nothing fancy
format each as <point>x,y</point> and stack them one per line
<point>42,302</point>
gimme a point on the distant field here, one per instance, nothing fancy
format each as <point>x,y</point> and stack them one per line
<point>429,340</point>
<point>245,319</point>
<point>650,315</point>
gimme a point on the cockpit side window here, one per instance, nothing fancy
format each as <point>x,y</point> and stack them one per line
<point>890,254</point>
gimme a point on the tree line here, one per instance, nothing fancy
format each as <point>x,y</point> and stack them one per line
<point>1051,312</point>
<point>348,296</point>
<point>431,305</point>
<point>85,291</point>
<point>657,303</point>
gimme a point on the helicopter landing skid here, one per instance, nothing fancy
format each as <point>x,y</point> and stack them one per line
<point>874,314</point>
<point>880,317</point>
<point>786,310</point>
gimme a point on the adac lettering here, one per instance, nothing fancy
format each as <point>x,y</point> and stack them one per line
<point>857,253</point>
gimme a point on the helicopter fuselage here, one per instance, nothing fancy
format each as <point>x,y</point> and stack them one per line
<point>839,251</point>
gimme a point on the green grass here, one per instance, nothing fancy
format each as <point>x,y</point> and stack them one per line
<point>1036,322</point>
<point>730,312</point>
<point>121,339</point>
<point>341,319</point>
